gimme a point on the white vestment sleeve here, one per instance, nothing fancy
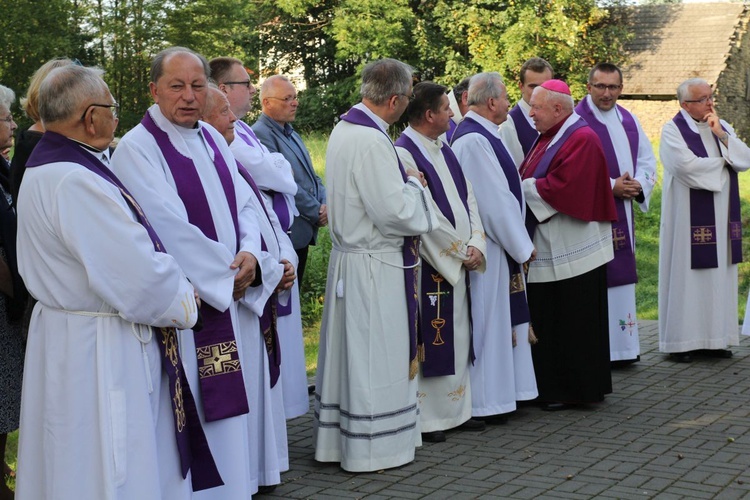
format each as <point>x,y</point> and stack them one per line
<point>396,208</point>
<point>143,285</point>
<point>685,167</point>
<point>139,166</point>
<point>498,207</point>
<point>645,171</point>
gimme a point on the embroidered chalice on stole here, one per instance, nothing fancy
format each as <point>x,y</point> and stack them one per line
<point>438,322</point>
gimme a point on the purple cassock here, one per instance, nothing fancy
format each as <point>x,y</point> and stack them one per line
<point>410,251</point>
<point>519,308</point>
<point>192,446</point>
<point>439,355</point>
<point>703,252</point>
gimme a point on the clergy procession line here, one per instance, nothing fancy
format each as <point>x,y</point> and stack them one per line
<point>484,258</point>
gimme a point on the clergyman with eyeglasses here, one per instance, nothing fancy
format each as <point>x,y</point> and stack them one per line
<point>632,171</point>
<point>278,99</point>
<point>701,231</point>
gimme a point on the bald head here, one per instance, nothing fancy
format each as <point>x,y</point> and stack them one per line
<point>278,98</point>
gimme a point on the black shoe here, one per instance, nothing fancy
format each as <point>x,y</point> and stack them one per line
<point>264,490</point>
<point>715,353</point>
<point>473,425</point>
<point>557,406</point>
<point>500,419</point>
<point>622,363</point>
<point>681,357</point>
<point>433,437</point>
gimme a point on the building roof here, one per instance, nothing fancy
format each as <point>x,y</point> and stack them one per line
<point>672,43</point>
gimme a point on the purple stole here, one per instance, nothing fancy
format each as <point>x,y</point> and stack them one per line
<point>219,369</point>
<point>703,253</point>
<point>271,309</point>
<point>440,353</point>
<point>247,136</point>
<point>519,307</point>
<point>410,253</point>
<point>525,132</point>
<point>192,446</point>
<point>543,166</point>
<point>620,270</point>
<point>451,130</point>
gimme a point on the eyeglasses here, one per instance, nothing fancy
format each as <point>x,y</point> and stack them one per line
<point>409,96</point>
<point>246,83</point>
<point>286,99</point>
<point>611,88</point>
<point>114,107</point>
<point>7,119</point>
<point>702,100</point>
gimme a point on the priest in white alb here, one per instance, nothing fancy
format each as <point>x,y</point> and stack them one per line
<point>448,254</point>
<point>102,368</point>
<point>632,172</point>
<point>503,372</point>
<point>700,240</point>
<point>187,179</point>
<point>275,179</point>
<point>366,413</point>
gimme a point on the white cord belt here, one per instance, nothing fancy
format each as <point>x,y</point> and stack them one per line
<point>143,333</point>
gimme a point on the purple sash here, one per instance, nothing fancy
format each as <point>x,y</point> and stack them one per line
<point>543,166</point>
<point>620,270</point>
<point>703,253</point>
<point>192,446</point>
<point>268,320</point>
<point>438,321</point>
<point>519,307</point>
<point>410,253</point>
<point>451,130</point>
<point>219,367</point>
<point>525,132</point>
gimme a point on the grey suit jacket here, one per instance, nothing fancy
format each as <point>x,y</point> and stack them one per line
<point>310,193</point>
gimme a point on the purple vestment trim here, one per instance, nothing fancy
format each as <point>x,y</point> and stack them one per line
<point>621,269</point>
<point>410,250</point>
<point>195,454</point>
<point>219,368</point>
<point>268,320</point>
<point>525,132</point>
<point>519,307</point>
<point>543,166</point>
<point>451,130</point>
<point>438,321</point>
<point>703,241</point>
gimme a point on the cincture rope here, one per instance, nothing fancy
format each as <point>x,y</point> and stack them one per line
<point>138,332</point>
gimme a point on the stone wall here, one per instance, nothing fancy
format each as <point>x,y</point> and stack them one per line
<point>652,114</point>
<point>733,94</point>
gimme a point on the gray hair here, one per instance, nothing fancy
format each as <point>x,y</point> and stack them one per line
<point>157,65</point>
<point>7,97</point>
<point>563,100</point>
<point>684,88</point>
<point>65,89</point>
<point>264,87</point>
<point>484,86</point>
<point>384,78</point>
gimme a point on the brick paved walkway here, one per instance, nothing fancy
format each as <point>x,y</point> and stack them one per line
<point>668,431</point>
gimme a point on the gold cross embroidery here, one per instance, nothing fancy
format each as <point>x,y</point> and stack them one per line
<point>217,359</point>
<point>618,238</point>
<point>702,235</point>
<point>438,322</point>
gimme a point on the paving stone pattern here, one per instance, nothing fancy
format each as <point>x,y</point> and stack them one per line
<point>668,431</point>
